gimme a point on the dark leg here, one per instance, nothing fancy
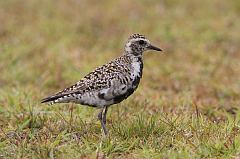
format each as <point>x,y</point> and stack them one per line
<point>100,117</point>
<point>105,115</point>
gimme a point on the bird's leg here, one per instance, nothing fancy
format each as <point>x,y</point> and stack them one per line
<point>100,117</point>
<point>105,115</point>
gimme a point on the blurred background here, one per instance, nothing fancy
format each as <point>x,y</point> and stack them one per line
<point>48,45</point>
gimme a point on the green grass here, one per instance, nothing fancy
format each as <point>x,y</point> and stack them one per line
<point>187,104</point>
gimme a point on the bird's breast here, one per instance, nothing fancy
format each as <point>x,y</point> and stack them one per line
<point>136,67</point>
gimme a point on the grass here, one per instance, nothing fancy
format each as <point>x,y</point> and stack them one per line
<point>187,104</point>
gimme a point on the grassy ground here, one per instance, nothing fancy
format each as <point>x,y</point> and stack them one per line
<point>187,105</point>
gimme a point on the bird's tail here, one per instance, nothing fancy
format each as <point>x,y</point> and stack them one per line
<point>51,99</point>
<point>58,98</point>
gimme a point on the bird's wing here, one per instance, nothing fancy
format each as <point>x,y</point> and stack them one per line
<point>115,89</point>
<point>104,79</point>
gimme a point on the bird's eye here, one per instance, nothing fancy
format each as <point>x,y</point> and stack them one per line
<point>141,42</point>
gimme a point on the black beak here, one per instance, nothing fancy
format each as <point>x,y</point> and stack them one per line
<point>154,48</point>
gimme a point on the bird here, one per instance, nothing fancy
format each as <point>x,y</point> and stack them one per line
<point>110,83</point>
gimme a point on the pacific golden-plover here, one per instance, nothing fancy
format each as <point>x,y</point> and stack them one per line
<point>111,83</point>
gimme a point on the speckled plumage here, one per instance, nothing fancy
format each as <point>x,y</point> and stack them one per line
<point>111,83</point>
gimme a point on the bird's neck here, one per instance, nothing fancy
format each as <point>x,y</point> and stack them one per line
<point>136,65</point>
<point>134,58</point>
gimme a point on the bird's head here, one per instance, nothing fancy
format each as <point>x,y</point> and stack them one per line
<point>137,44</point>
